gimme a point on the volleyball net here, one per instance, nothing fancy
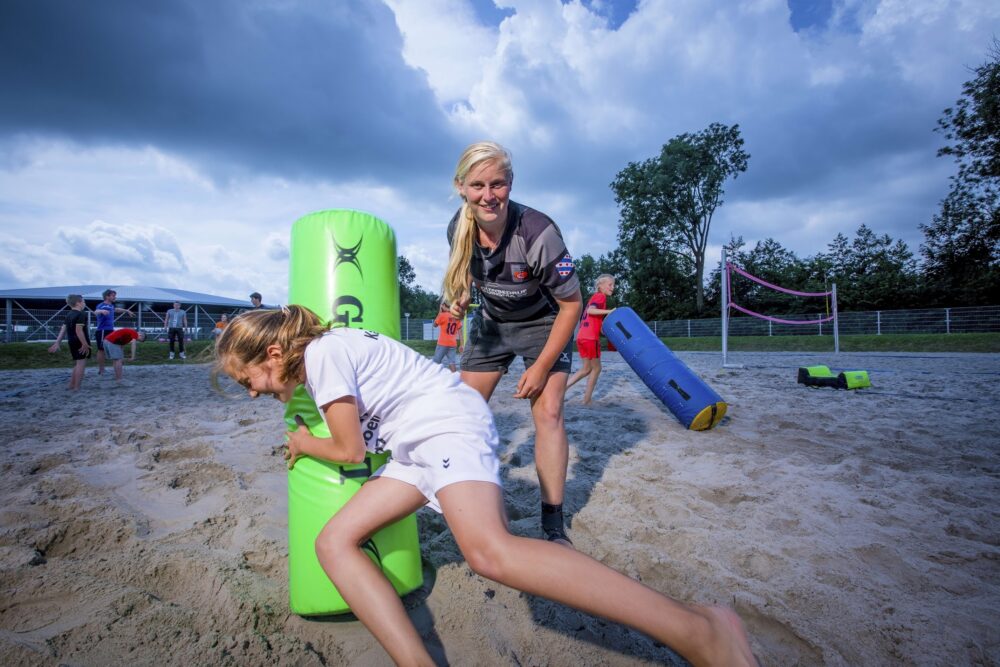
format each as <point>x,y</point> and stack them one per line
<point>728,305</point>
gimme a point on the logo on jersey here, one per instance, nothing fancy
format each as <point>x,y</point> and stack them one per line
<point>349,255</point>
<point>369,431</point>
<point>565,266</point>
<point>519,272</point>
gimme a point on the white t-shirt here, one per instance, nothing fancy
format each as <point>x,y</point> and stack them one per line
<point>403,397</point>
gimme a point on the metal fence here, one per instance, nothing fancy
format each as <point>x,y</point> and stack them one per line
<point>980,319</point>
<point>43,325</point>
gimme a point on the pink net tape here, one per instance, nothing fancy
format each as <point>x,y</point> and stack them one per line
<point>774,287</point>
<point>778,319</point>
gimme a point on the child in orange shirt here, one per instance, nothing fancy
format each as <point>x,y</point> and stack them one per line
<point>449,328</point>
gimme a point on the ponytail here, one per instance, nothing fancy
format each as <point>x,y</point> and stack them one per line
<point>456,277</point>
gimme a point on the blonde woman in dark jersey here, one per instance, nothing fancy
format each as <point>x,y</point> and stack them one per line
<point>529,306</point>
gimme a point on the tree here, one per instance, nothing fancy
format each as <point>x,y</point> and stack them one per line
<point>667,202</point>
<point>962,247</point>
<point>413,299</point>
<point>872,272</point>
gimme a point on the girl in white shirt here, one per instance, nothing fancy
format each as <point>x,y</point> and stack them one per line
<point>443,444</point>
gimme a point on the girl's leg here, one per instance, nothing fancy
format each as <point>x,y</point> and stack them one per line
<point>588,393</point>
<point>703,635</point>
<point>482,381</point>
<point>580,374</point>
<point>366,590</point>
<point>551,444</point>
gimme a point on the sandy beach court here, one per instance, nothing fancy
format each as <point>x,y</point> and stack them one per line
<point>146,523</point>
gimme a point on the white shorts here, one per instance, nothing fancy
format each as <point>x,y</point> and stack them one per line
<point>467,455</point>
<point>113,352</point>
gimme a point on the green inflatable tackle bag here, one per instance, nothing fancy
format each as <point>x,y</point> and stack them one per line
<point>342,267</point>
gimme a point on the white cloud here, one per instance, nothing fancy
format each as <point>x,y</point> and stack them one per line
<point>444,39</point>
<point>150,248</point>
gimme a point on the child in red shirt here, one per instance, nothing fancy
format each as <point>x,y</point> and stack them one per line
<point>588,338</point>
<point>113,343</point>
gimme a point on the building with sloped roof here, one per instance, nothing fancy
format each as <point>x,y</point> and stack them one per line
<point>36,313</point>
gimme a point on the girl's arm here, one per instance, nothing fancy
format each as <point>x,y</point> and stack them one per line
<point>346,444</point>
<point>534,379</point>
<point>599,311</point>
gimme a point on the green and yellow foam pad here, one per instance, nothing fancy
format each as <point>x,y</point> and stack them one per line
<point>822,376</point>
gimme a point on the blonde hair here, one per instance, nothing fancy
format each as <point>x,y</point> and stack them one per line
<point>456,277</point>
<point>245,340</point>
<point>604,277</point>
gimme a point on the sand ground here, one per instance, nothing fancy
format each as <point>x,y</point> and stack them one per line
<point>146,523</point>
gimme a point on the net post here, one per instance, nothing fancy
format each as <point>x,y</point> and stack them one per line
<point>724,276</point>
<point>724,286</point>
<point>836,328</point>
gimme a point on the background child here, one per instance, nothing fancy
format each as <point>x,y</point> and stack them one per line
<point>449,327</point>
<point>113,343</point>
<point>588,338</point>
<point>75,329</point>
<point>444,443</point>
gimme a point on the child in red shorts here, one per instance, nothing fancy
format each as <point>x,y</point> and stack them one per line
<point>588,339</point>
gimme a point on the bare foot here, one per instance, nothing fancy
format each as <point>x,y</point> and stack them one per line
<point>728,644</point>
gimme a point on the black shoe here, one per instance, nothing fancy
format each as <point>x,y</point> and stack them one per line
<point>557,535</point>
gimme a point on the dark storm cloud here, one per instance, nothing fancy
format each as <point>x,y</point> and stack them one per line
<point>301,89</point>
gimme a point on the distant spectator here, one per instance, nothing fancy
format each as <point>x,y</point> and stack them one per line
<point>255,300</point>
<point>176,322</point>
<point>105,312</point>
<point>113,343</point>
<point>220,326</point>
<point>75,329</point>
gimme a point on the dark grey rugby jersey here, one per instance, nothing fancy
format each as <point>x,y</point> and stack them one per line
<point>527,272</point>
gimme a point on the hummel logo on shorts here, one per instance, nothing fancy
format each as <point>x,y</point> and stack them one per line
<point>446,462</point>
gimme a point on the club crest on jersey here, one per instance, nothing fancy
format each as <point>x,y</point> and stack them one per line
<point>565,265</point>
<point>519,272</point>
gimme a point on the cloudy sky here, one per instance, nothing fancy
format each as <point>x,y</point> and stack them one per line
<point>174,142</point>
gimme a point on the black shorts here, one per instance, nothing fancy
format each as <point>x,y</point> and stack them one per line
<point>493,345</point>
<point>99,338</point>
<point>74,351</point>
